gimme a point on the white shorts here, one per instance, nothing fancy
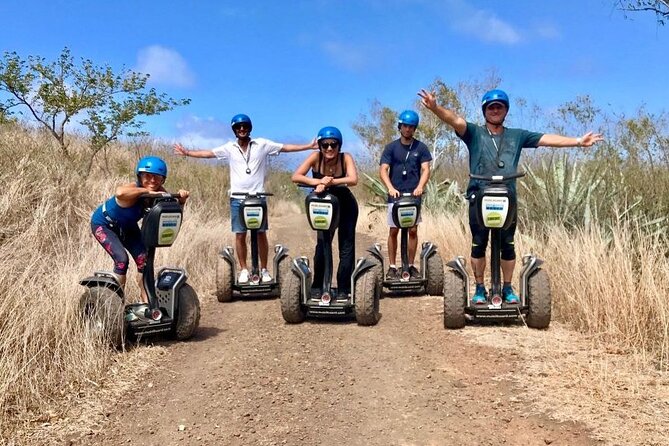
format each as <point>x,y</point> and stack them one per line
<point>391,223</point>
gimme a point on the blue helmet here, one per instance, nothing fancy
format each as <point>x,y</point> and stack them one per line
<point>330,133</point>
<point>408,117</point>
<point>152,164</point>
<point>494,96</point>
<point>241,118</point>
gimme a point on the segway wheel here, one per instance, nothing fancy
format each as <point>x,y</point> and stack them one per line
<point>291,305</point>
<point>223,280</point>
<point>367,294</point>
<point>455,300</point>
<point>188,316</point>
<point>435,275</point>
<point>104,312</point>
<point>538,300</point>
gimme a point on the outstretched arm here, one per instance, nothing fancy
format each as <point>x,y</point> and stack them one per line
<point>586,140</point>
<point>448,116</point>
<point>182,151</point>
<point>300,174</point>
<point>298,148</point>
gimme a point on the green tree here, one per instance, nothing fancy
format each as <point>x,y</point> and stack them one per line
<point>107,103</point>
<point>376,130</point>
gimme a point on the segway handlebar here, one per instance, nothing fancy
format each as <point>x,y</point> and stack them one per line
<point>496,178</point>
<point>309,186</point>
<point>252,194</point>
<point>160,195</point>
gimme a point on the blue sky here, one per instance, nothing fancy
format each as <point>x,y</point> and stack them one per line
<point>295,67</point>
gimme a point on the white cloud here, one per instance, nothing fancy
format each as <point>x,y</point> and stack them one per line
<point>203,133</point>
<point>487,27</point>
<point>353,58</point>
<point>165,66</point>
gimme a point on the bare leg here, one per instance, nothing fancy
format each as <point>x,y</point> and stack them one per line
<point>240,245</point>
<point>413,244</point>
<point>392,245</point>
<point>142,291</point>
<point>507,269</point>
<point>263,248</point>
<point>478,265</point>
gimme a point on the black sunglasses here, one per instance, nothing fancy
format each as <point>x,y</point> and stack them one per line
<point>327,145</point>
<point>241,125</point>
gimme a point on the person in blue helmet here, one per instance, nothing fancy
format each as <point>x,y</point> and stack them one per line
<point>115,222</point>
<point>248,162</point>
<point>332,167</point>
<point>495,149</point>
<point>404,168</point>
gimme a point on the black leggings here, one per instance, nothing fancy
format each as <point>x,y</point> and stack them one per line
<point>480,236</point>
<point>348,217</point>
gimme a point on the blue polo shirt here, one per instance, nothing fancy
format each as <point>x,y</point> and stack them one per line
<point>495,158</point>
<point>404,162</point>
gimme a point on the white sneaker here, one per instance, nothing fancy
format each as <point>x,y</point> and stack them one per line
<point>243,276</point>
<point>264,276</point>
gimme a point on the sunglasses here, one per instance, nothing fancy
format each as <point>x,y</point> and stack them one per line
<point>241,126</point>
<point>329,145</point>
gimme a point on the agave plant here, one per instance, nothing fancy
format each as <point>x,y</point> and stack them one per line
<point>443,196</point>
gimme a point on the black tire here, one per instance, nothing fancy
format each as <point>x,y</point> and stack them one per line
<point>188,315</point>
<point>291,293</point>
<point>435,275</point>
<point>538,300</point>
<point>223,280</point>
<point>455,300</point>
<point>104,314</point>
<point>367,295</point>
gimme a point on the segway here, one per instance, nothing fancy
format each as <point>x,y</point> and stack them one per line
<point>405,213</point>
<point>297,299</point>
<point>173,308</point>
<point>496,209</point>
<point>253,214</point>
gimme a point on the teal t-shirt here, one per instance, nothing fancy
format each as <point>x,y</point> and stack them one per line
<point>495,158</point>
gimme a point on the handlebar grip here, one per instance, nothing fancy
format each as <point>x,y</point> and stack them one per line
<point>496,178</point>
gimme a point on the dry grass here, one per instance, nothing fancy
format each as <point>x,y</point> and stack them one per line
<point>46,355</point>
<point>611,289</point>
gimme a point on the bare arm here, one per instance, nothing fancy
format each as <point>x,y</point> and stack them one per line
<point>182,151</point>
<point>384,173</point>
<point>424,177</point>
<point>586,140</point>
<point>300,174</point>
<point>448,116</point>
<point>351,178</point>
<point>299,147</point>
<point>128,194</point>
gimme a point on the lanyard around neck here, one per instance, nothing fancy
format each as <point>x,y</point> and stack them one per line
<point>247,157</point>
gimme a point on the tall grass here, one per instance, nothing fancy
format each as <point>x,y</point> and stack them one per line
<point>609,282</point>
<point>46,247</point>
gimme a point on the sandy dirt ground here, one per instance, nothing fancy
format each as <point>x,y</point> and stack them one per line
<point>248,378</point>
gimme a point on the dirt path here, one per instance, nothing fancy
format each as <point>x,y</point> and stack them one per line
<point>250,379</point>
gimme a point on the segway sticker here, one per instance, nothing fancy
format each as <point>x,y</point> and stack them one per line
<point>168,228</point>
<point>407,216</point>
<point>320,215</point>
<point>494,211</point>
<point>253,217</point>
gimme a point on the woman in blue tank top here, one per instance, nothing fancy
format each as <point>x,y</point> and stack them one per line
<point>330,167</point>
<point>115,222</point>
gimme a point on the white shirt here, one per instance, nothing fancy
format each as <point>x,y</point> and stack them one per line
<point>255,159</point>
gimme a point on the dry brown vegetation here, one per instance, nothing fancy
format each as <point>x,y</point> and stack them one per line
<point>609,285</point>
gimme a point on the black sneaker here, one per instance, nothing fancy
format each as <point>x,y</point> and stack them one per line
<point>413,271</point>
<point>392,274</point>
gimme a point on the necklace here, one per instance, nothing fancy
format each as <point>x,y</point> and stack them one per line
<point>500,163</point>
<point>247,157</point>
